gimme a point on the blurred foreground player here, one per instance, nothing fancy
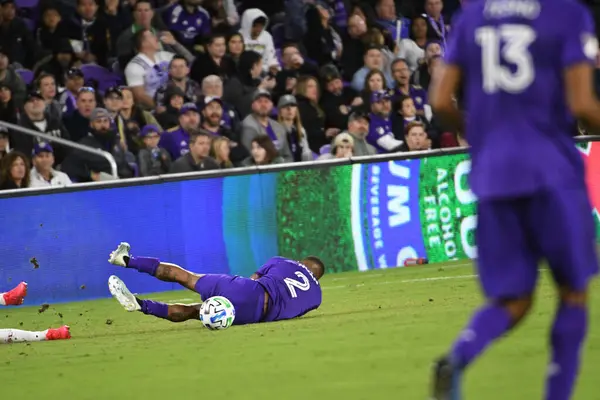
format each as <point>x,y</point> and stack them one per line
<point>525,78</point>
<point>280,289</point>
<point>15,297</point>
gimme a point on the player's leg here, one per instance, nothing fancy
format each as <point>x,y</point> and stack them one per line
<point>17,335</point>
<point>166,272</point>
<point>572,259</point>
<point>508,273</point>
<point>15,296</point>
<point>170,312</point>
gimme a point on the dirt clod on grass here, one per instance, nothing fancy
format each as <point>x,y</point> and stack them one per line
<point>44,307</point>
<point>34,262</point>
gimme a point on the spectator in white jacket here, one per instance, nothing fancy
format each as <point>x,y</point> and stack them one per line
<point>42,173</point>
<point>256,38</point>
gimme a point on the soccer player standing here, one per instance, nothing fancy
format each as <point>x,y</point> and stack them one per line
<point>526,76</point>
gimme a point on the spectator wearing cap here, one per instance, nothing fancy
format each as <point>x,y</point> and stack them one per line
<point>336,101</point>
<point>152,160</point>
<point>380,134</point>
<point>358,128</point>
<point>68,98</point>
<point>341,147</point>
<point>259,123</point>
<point>14,171</point>
<point>239,90</point>
<point>403,87</point>
<point>177,140</point>
<point>78,121</point>
<point>323,44</point>
<point>16,40</point>
<point>88,32</point>
<point>213,61</point>
<point>4,142</point>
<point>42,173</point>
<point>212,86</point>
<point>59,63</point>
<point>212,117</point>
<point>10,78</point>
<point>87,167</point>
<point>293,66</point>
<point>47,33</point>
<point>415,137</point>
<point>148,70</point>
<point>46,85</point>
<point>311,113</point>
<point>289,117</point>
<point>196,158</point>
<point>422,76</point>
<point>179,72</point>
<point>35,118</point>
<point>144,17</point>
<point>373,59</point>
<point>113,101</point>
<point>173,99</point>
<point>187,19</point>
<point>263,152</point>
<point>256,38</point>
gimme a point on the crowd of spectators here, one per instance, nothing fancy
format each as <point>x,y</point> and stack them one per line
<point>209,84</point>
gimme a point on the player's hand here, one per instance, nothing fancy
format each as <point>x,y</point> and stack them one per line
<point>358,101</point>
<point>167,38</point>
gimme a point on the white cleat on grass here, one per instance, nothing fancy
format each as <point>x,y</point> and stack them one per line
<point>117,257</point>
<point>120,292</point>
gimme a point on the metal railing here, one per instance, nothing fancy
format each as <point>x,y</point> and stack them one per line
<point>67,143</point>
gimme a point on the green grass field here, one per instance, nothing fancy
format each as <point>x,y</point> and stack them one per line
<point>373,338</point>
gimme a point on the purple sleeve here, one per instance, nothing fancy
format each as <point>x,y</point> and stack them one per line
<point>578,37</point>
<point>264,269</point>
<point>166,142</point>
<point>455,46</point>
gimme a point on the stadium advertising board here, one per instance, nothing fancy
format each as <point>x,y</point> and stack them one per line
<point>356,217</point>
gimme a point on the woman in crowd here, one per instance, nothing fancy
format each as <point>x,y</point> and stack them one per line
<point>290,119</point>
<point>174,99</point>
<point>374,81</point>
<point>307,97</point>
<point>235,47</point>
<point>135,118</point>
<point>418,31</point>
<point>219,150</point>
<point>14,172</point>
<point>8,110</point>
<point>238,91</point>
<point>323,44</point>
<point>263,152</point>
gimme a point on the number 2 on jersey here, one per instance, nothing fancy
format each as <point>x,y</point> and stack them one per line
<point>508,43</point>
<point>303,284</point>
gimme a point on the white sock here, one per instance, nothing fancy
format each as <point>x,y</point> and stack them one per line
<point>17,335</point>
<point>2,302</point>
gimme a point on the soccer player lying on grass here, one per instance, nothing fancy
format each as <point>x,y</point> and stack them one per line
<point>280,289</point>
<point>15,297</point>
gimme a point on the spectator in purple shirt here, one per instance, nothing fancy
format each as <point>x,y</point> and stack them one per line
<point>176,140</point>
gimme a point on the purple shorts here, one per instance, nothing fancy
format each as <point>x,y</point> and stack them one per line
<point>246,295</point>
<point>514,235</point>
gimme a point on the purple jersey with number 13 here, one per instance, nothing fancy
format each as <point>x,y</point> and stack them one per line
<point>292,288</point>
<point>513,54</point>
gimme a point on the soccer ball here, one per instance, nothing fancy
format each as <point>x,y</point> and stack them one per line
<point>217,313</point>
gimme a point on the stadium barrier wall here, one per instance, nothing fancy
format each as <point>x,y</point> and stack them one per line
<point>357,214</point>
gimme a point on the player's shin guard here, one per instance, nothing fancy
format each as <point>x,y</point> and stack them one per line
<point>155,308</point>
<point>147,265</point>
<point>489,323</point>
<point>566,339</point>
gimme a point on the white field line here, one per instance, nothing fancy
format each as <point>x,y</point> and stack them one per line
<point>461,265</point>
<point>437,278</point>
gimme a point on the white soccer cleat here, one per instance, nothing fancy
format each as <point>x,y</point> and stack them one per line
<point>120,292</point>
<point>117,257</point>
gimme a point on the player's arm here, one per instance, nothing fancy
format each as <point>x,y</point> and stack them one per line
<point>445,83</point>
<point>579,49</point>
<point>581,99</point>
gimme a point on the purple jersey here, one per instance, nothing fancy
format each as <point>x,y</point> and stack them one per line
<point>379,127</point>
<point>512,54</point>
<point>292,288</point>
